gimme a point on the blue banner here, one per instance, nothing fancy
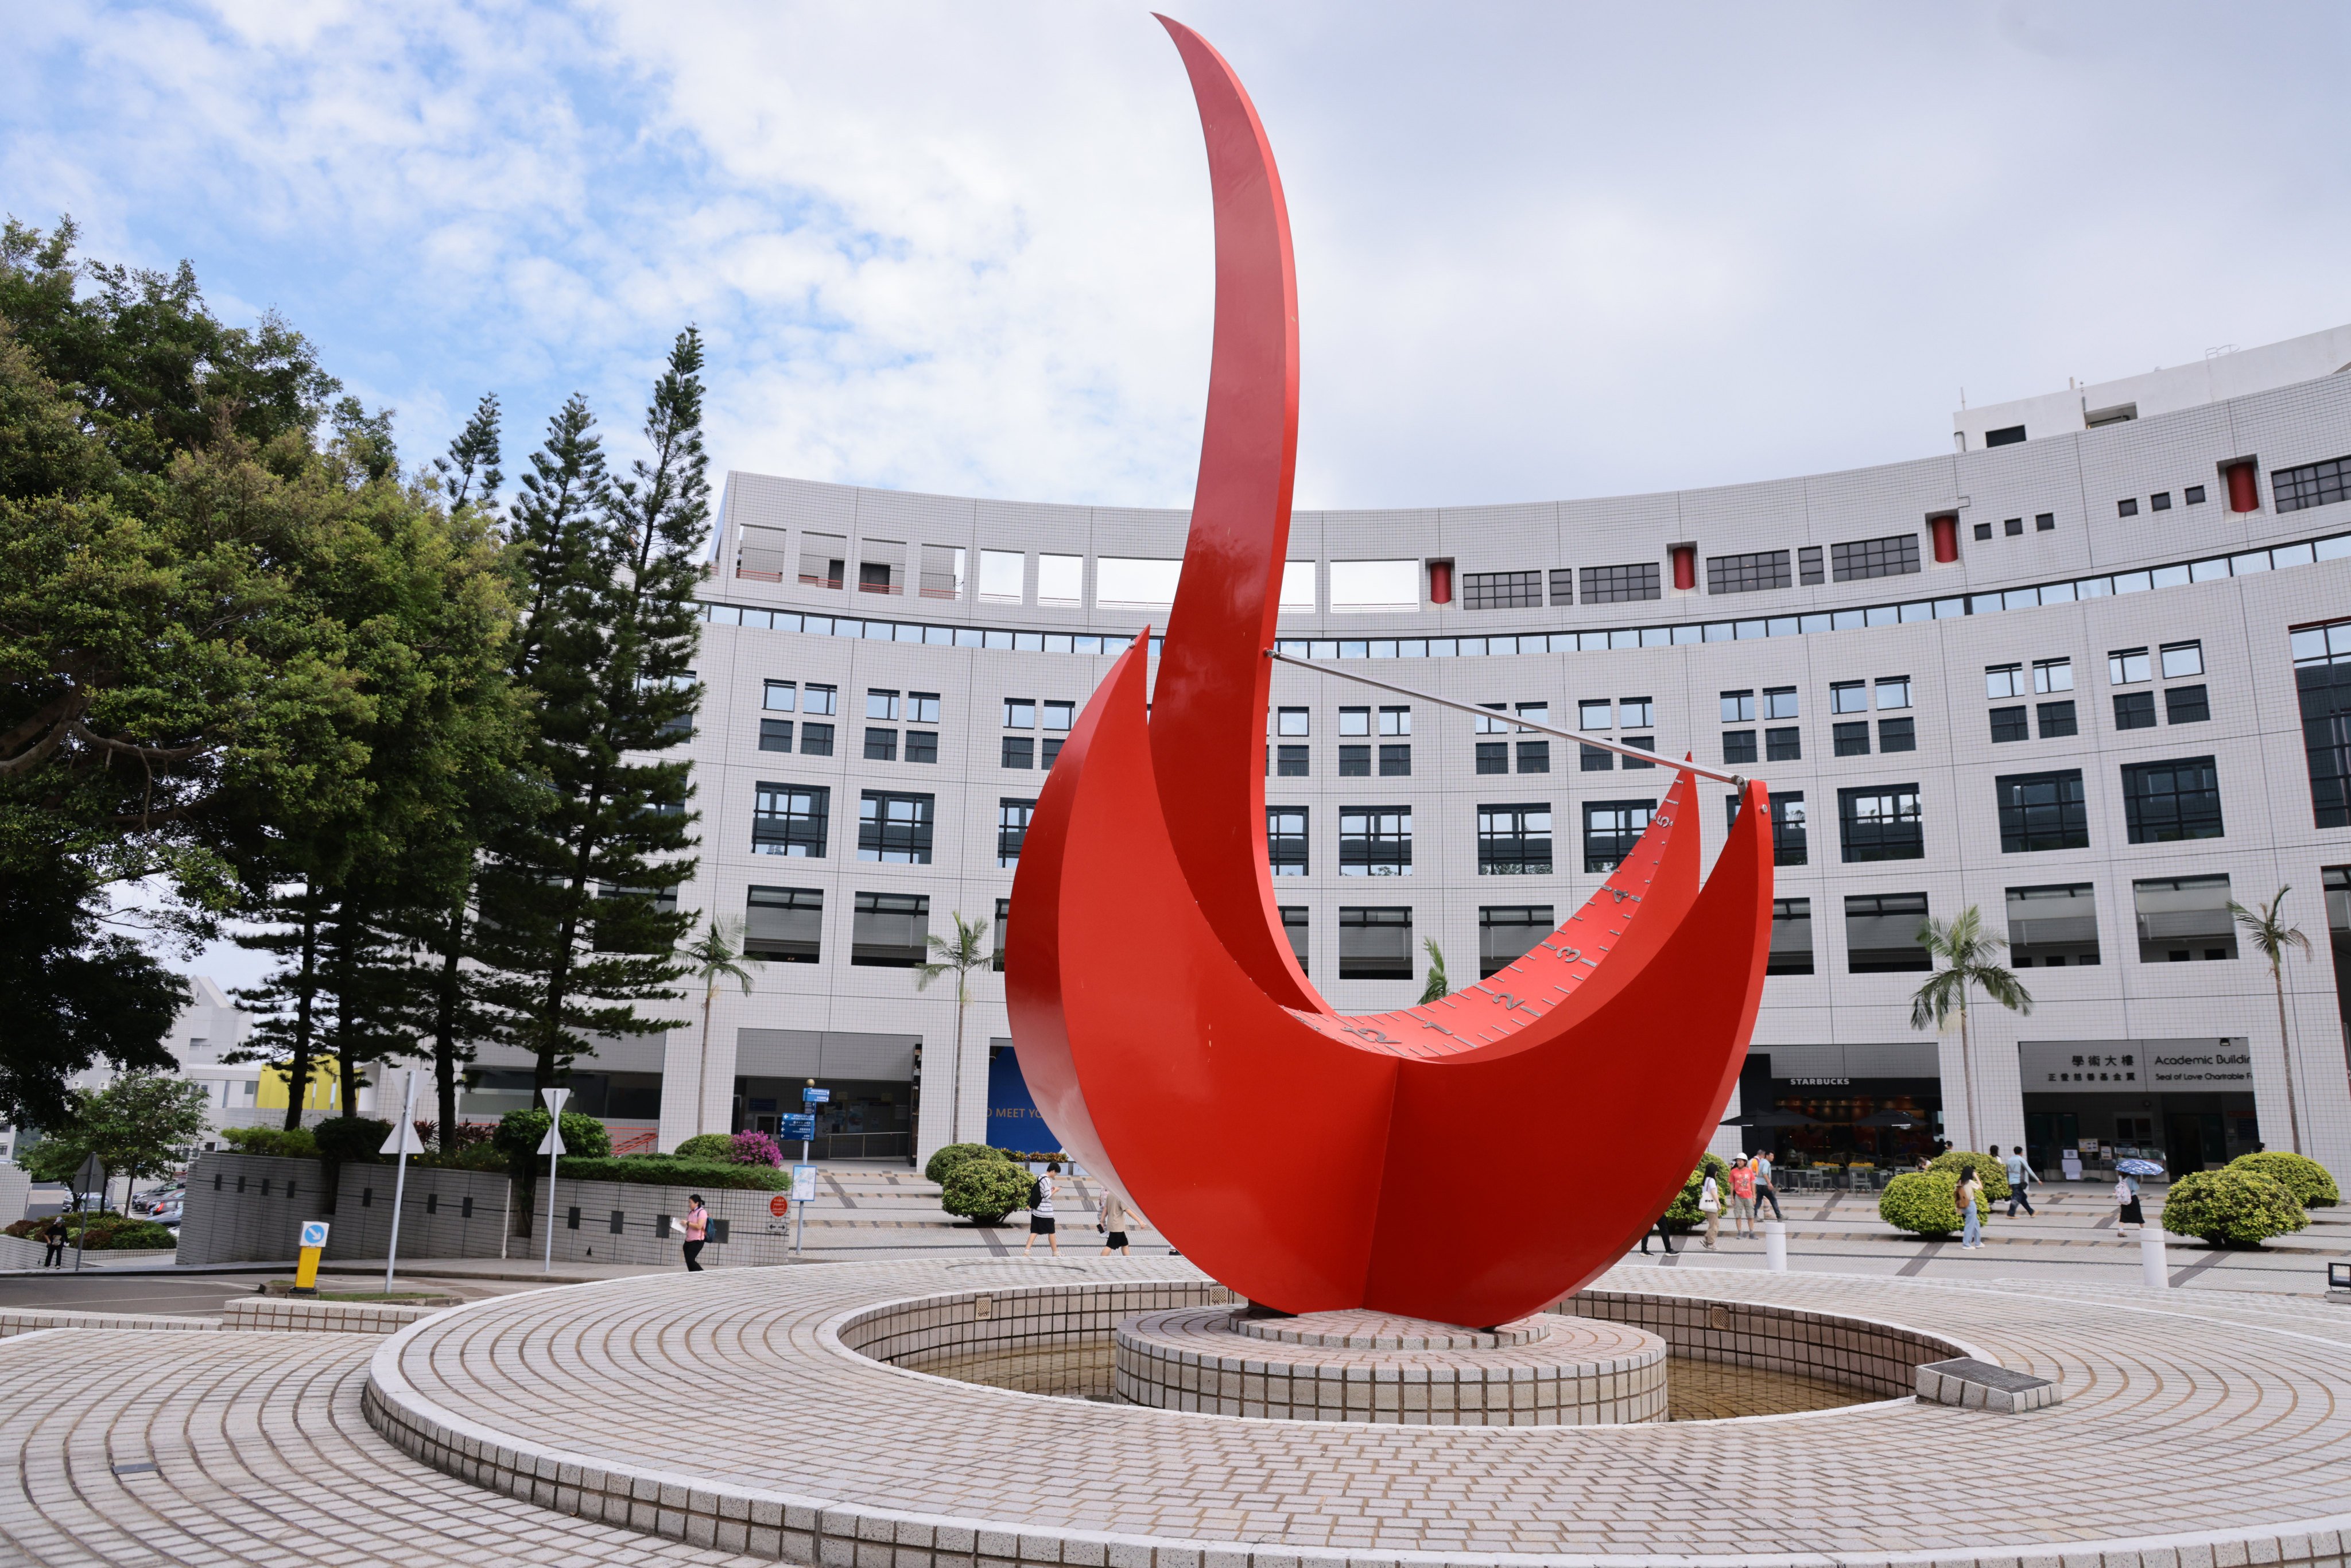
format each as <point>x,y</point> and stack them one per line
<point>1013,1119</point>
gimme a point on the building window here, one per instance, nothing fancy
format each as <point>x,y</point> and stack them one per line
<point>921,745</point>
<point>1848,697</point>
<point>1290,761</point>
<point>1003,934</point>
<point>1285,839</point>
<point>1374,943</point>
<point>1738,746</point>
<point>2042,812</point>
<point>1354,721</point>
<point>1502,591</point>
<point>1747,573</point>
<point>1789,845</point>
<point>2182,660</point>
<point>1395,760</point>
<point>780,696</point>
<point>1534,756</point>
<point>1881,822</point>
<point>2193,496</point>
<point>1494,756</point>
<point>893,828</point>
<point>1058,715</point>
<point>1019,713</point>
<point>1294,928</point>
<point>890,930</point>
<point>1792,937</point>
<point>1486,725</point>
<point>1354,761</point>
<point>820,699</point>
<point>1611,829</point>
<point>2166,802</point>
<point>1396,721</point>
<point>816,739</point>
<point>1780,745</point>
<point>2004,680</point>
<point>2134,710</point>
<point>1898,735</point>
<point>1808,566</point>
<point>2057,719</point>
<point>882,705</point>
<point>1515,841</point>
<point>2186,704</point>
<point>1779,701</point>
<point>1289,721</point>
<point>1983,530</point>
<point>1011,830</point>
<point>2053,928</point>
<point>2052,676</point>
<point>2009,723</point>
<point>1738,707</point>
<point>2322,679</point>
<point>2013,527</point>
<point>1645,743</point>
<point>1594,713</point>
<point>1896,556</point>
<point>1881,934</point>
<point>785,924</point>
<point>1851,739</point>
<point>2312,484</point>
<point>790,819</point>
<point>2159,502</point>
<point>881,745</point>
<point>1375,841</point>
<point>2007,435</point>
<point>2184,919</point>
<point>1620,584</point>
<point>1640,712</point>
<point>2126,507</point>
<point>2128,667</point>
<point>1508,933</point>
<point>1020,751</point>
<point>1892,692</point>
<point>2046,522</point>
<point>775,734</point>
<point>1563,585</point>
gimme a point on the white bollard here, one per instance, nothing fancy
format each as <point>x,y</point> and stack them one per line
<point>1775,1247</point>
<point>2154,1272</point>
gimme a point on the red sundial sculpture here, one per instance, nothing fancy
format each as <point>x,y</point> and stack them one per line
<point>1468,1161</point>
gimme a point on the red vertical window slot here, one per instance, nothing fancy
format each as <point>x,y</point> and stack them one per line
<point>1440,582</point>
<point>1946,530</point>
<point>1685,567</point>
<point>2244,494</point>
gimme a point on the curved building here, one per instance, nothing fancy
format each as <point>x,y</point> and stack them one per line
<point>2089,673</point>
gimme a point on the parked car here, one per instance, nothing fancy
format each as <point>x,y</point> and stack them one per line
<point>156,1198</point>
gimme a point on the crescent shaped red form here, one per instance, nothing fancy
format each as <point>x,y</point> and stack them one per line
<point>1155,1006</point>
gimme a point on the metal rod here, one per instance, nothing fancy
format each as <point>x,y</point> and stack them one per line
<point>1737,780</point>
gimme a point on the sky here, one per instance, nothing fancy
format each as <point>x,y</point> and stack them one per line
<point>1543,250</point>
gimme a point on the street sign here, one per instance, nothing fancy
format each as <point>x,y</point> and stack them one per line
<point>91,1177</point>
<point>780,1206</point>
<point>550,1144</point>
<point>403,1139</point>
<point>796,1127</point>
<point>803,1184</point>
<point>816,1096</point>
<point>313,1233</point>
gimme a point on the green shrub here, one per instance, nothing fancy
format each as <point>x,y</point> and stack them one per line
<point>1989,1171</point>
<point>484,1155</point>
<point>344,1139</point>
<point>1924,1203</point>
<point>519,1132</point>
<point>135,1235</point>
<point>668,1170</point>
<point>1684,1214</point>
<point>2231,1207</point>
<point>719,1146</point>
<point>297,1144</point>
<point>2310,1182</point>
<point>953,1154</point>
<point>984,1191</point>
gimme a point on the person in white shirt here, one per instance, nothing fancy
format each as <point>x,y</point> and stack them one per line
<point>1040,1210</point>
<point>1710,1203</point>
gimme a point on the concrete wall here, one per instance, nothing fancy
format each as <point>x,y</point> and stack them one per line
<point>434,1221</point>
<point>249,1208</point>
<point>586,1211</point>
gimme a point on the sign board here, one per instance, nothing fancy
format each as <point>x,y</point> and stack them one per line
<point>780,1206</point>
<point>555,1099</point>
<point>2134,1066</point>
<point>803,1184</point>
<point>92,1175</point>
<point>553,1143</point>
<point>2199,1065</point>
<point>313,1233</point>
<point>795,1127</point>
<point>816,1096</point>
<point>403,1140</point>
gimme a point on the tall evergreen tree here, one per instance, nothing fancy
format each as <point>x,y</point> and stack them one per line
<point>470,472</point>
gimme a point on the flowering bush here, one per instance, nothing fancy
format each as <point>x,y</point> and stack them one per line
<point>754,1149</point>
<point>467,1134</point>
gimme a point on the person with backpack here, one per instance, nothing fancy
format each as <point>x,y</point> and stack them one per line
<point>1040,1210</point>
<point>698,1227</point>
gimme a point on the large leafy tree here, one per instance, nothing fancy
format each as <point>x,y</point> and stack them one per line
<point>142,1125</point>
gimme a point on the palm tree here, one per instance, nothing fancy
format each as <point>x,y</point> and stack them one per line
<point>711,957</point>
<point>1967,950</point>
<point>1437,984</point>
<point>966,953</point>
<point>2274,936</point>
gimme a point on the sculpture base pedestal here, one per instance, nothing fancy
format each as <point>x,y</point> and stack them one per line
<point>1356,1366</point>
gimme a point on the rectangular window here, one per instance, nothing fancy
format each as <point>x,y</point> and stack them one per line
<point>1534,756</point>
<point>1848,697</point>
<point>1019,713</point>
<point>1060,715</point>
<point>1596,714</point>
<point>1789,845</point>
<point>882,705</point>
<point>1747,573</point>
<point>1000,571</point>
<point>816,739</point>
<point>2182,660</point>
<point>790,819</point>
<point>1738,707</point>
<point>1620,584</point>
<point>1020,751</point>
<point>1738,746</point>
<point>820,699</point>
<point>921,745</point>
<point>2167,802</point>
<point>1779,701</point>
<point>1011,830</point>
<point>2186,704</point>
<point>1354,762</point>
<point>2046,522</point>
<point>1881,822</point>
<point>775,734</point>
<point>2011,527</point>
<point>881,745</point>
<point>2052,675</point>
<point>894,828</point>
<point>1396,721</point>
<point>2004,680</point>
<point>2184,919</point>
<point>1611,829</point>
<point>1294,927</point>
<point>1354,721</point>
<point>2042,812</point>
<point>1501,590</point>
<point>1591,759</point>
<point>2128,667</point>
<point>1892,692</point>
<point>1563,585</point>
<point>923,707</point>
<point>785,924</point>
<point>2053,928</point>
<point>1896,556</point>
<point>1645,743</point>
<point>2159,502</point>
<point>1898,735</point>
<point>1881,934</point>
<point>2193,496</point>
<point>1851,739</point>
<point>2009,724</point>
<point>890,930</point>
<point>2322,679</point>
<point>1285,839</point>
<point>1515,841</point>
<point>1783,745</point>
<point>1375,841</point>
<point>1061,579</point>
<point>2134,710</point>
<point>2128,507</point>
<point>1808,566</point>
<point>1640,712</point>
<point>1508,933</point>
<point>1003,934</point>
<point>1289,762</point>
<point>1532,713</point>
<point>1290,721</point>
<point>1792,937</point>
<point>1048,748</point>
<point>2312,484</point>
<point>2057,719</point>
<point>1395,760</point>
<point>1494,756</point>
<point>780,696</point>
<point>1374,943</point>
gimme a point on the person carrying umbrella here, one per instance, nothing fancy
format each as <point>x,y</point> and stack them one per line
<point>2127,1205</point>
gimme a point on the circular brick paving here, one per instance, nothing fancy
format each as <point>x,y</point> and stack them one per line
<point>726,1408</point>
<point>1357,1329</point>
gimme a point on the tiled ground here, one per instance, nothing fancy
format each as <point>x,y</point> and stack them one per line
<point>2187,1417</point>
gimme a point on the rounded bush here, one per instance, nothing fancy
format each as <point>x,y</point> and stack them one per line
<point>1924,1203</point>
<point>753,1149</point>
<point>2310,1183</point>
<point>347,1138</point>
<point>1684,1214</point>
<point>714,1146</point>
<point>136,1235</point>
<point>2231,1207</point>
<point>984,1191</point>
<point>953,1154</point>
<point>520,1132</point>
<point>1989,1171</point>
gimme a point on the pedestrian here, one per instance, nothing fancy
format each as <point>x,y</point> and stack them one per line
<point>1112,1223</point>
<point>53,1235</point>
<point>2127,1212</point>
<point>1710,1203</point>
<point>697,1226</point>
<point>1742,1197</point>
<point>1969,1197</point>
<point>2020,1175</point>
<point>1040,1210</point>
<point>1664,1238</point>
<point>1764,1191</point>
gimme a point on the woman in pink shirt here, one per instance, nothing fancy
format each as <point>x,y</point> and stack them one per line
<point>697,1226</point>
<point>1742,1196</point>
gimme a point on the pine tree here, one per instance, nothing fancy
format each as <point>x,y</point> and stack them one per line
<point>472,459</point>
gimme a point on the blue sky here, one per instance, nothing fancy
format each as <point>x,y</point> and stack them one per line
<point>1543,250</point>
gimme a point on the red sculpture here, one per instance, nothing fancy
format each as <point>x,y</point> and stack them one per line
<point>1468,1161</point>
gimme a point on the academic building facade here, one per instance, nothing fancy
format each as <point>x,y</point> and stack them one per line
<point>2089,673</point>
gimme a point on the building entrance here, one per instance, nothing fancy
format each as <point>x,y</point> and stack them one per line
<point>2188,1104</point>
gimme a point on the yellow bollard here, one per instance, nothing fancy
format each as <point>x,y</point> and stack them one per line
<point>306,1272</point>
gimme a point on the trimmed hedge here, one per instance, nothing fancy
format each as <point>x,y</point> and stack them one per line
<point>707,1146</point>
<point>2310,1183</point>
<point>1684,1215</point>
<point>298,1144</point>
<point>1925,1203</point>
<point>109,1231</point>
<point>953,1154</point>
<point>2230,1208</point>
<point>1989,1171</point>
<point>984,1191</point>
<point>668,1170</point>
<point>350,1139</point>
